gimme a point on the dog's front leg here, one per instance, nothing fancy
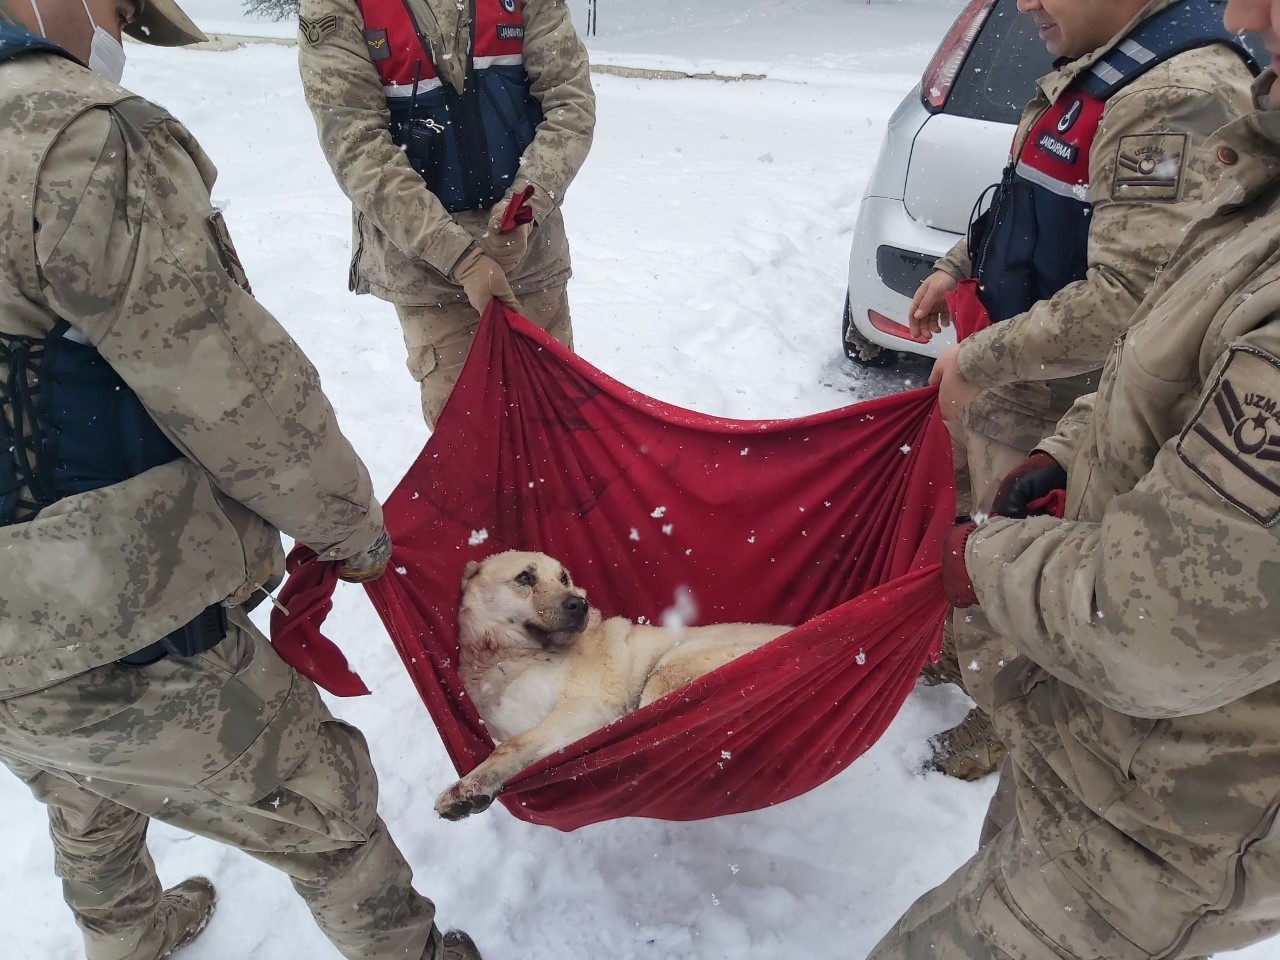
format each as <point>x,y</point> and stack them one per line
<point>570,721</point>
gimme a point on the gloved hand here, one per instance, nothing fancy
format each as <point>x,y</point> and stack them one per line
<point>955,575</point>
<point>508,249</point>
<point>482,280</point>
<point>369,564</point>
<point>1033,479</point>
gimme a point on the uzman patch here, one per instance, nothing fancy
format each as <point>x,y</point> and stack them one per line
<point>316,30</point>
<point>1149,166</point>
<point>379,47</point>
<point>1233,441</point>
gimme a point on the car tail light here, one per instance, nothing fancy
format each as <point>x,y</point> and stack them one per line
<point>935,85</point>
<point>892,327</point>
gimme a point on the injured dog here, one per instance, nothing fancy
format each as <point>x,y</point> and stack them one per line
<point>544,670</point>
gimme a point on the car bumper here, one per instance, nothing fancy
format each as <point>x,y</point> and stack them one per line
<point>891,254</point>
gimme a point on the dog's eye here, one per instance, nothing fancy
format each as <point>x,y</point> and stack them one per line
<point>564,577</point>
<point>526,578</point>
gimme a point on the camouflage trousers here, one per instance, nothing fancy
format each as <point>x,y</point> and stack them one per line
<point>233,745</point>
<point>1010,901</point>
<point>981,462</point>
<point>439,336</point>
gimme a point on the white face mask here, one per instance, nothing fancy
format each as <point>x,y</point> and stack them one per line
<point>106,53</point>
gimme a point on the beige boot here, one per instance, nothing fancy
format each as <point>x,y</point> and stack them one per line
<point>459,946</point>
<point>183,912</point>
<point>968,751</point>
<point>946,669</point>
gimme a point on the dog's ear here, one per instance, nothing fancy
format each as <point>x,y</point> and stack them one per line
<point>469,571</point>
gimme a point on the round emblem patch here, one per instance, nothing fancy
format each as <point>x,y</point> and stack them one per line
<point>509,6</point>
<point>1068,119</point>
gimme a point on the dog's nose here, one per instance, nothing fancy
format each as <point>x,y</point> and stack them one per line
<point>574,605</point>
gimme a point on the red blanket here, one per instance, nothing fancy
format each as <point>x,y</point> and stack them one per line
<point>833,522</point>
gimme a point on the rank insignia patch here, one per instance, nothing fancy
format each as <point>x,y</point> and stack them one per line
<point>316,30</point>
<point>1233,441</point>
<point>376,41</point>
<point>1149,166</point>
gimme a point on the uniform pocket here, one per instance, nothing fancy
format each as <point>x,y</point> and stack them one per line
<point>78,706</point>
<point>1049,918</point>
<point>422,362</point>
<point>266,724</point>
<point>1015,680</point>
<point>1114,738</point>
<point>1006,927</point>
<point>331,797</point>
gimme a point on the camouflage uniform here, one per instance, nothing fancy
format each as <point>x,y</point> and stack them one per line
<point>1143,712</point>
<point>1033,366</point>
<point>107,224</point>
<point>405,243</point>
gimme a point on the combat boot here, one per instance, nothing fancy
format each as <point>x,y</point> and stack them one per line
<point>183,912</point>
<point>946,669</point>
<point>459,946</point>
<point>968,751</point>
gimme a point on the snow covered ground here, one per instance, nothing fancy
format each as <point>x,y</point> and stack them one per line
<point>710,230</point>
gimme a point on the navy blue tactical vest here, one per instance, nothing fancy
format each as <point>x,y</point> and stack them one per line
<point>1033,240</point>
<point>68,423</point>
<point>467,146</point>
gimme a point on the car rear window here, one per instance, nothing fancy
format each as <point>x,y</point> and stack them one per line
<point>999,75</point>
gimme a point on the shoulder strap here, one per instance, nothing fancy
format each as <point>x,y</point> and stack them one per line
<point>1179,27</point>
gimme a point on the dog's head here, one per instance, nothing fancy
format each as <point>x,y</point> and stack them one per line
<point>526,598</point>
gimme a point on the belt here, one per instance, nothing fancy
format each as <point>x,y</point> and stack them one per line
<point>206,631</point>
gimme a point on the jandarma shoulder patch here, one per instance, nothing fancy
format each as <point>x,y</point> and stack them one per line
<point>316,30</point>
<point>1233,441</point>
<point>1149,166</point>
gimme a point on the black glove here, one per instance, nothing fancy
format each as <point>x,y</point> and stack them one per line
<point>1033,479</point>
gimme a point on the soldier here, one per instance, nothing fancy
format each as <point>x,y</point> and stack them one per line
<point>1143,711</point>
<point>438,118</point>
<point>1107,169</point>
<point>158,428</point>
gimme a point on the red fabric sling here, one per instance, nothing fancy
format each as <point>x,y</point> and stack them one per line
<point>833,522</point>
<point>967,312</point>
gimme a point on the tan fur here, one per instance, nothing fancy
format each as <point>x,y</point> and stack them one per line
<point>544,670</point>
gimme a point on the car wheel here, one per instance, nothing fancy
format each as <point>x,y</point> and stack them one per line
<point>861,350</point>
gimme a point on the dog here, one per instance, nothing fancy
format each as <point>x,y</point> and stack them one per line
<point>544,669</point>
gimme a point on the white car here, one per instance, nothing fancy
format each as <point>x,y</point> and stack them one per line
<point>945,145</point>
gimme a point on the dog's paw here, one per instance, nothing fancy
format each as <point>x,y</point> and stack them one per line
<point>462,800</point>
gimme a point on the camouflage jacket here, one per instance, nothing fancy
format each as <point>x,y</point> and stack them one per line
<point>107,223</point>
<point>405,243</point>
<point>1034,365</point>
<point>1144,715</point>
